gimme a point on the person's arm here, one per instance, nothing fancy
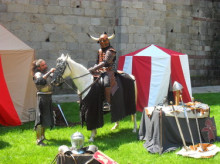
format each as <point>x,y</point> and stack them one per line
<point>109,57</point>
<point>48,73</point>
<point>38,79</point>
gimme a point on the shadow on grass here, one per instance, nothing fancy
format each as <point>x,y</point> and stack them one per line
<point>115,139</point>
<point>23,127</point>
<point>55,142</point>
<point>4,144</point>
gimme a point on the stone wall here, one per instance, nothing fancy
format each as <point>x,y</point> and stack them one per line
<point>53,27</point>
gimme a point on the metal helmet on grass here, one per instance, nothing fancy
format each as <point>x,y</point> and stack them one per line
<point>77,140</point>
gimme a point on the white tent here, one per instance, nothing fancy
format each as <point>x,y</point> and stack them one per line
<point>16,58</point>
<point>154,67</point>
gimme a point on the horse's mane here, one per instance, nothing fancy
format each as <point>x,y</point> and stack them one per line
<point>69,59</point>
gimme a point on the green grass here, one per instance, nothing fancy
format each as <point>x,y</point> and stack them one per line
<point>17,144</point>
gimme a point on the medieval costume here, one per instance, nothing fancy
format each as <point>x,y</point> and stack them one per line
<point>106,67</point>
<point>44,112</point>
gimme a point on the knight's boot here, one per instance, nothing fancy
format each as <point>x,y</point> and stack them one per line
<point>107,105</point>
<point>43,133</point>
<point>39,136</point>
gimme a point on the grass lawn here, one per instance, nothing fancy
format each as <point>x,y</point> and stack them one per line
<point>18,144</point>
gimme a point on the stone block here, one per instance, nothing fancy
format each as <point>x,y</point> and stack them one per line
<point>65,3</point>
<point>131,47</point>
<point>49,27</point>
<point>139,38</point>
<point>15,8</point>
<point>54,10</point>
<point>41,18</point>
<point>42,54</point>
<point>21,34</point>
<point>124,38</point>
<point>20,26</point>
<point>84,21</point>
<point>79,11</point>
<point>39,36</point>
<point>52,2</point>
<point>82,38</point>
<point>56,37</point>
<point>68,10</point>
<point>95,21</point>
<point>72,20</point>
<point>155,30</point>
<point>100,13</point>
<point>160,7</point>
<point>6,17</point>
<point>179,2</point>
<point>193,30</point>
<point>35,45</point>
<point>59,19</point>
<point>158,1</point>
<point>122,46</point>
<point>121,12</point>
<point>107,5</point>
<point>31,9</point>
<point>24,2</point>
<point>42,9</point>
<point>3,8</point>
<point>37,2</point>
<point>194,42</point>
<point>138,22</point>
<point>95,5</point>
<point>110,13</point>
<point>207,48</point>
<point>141,45</point>
<point>124,29</point>
<point>85,4</point>
<point>49,45</point>
<point>90,12</point>
<point>137,5</point>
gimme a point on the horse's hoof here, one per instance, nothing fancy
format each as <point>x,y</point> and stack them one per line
<point>115,127</point>
<point>134,130</point>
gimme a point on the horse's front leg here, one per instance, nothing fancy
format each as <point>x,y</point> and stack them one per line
<point>93,134</point>
<point>135,123</point>
<point>115,126</point>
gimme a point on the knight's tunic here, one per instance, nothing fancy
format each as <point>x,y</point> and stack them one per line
<point>108,57</point>
<point>44,112</point>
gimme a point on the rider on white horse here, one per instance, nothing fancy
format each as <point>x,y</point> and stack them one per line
<point>106,67</point>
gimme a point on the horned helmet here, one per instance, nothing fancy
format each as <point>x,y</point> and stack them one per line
<point>103,40</point>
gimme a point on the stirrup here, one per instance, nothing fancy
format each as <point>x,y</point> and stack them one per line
<point>106,107</point>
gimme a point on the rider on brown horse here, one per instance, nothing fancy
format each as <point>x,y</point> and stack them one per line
<point>106,66</point>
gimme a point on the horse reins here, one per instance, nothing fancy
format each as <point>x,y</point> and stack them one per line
<point>80,94</point>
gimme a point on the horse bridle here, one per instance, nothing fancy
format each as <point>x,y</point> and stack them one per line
<point>60,68</point>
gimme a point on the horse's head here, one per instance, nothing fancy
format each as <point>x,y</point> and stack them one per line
<point>61,72</point>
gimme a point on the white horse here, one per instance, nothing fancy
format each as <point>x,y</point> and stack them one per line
<point>66,67</point>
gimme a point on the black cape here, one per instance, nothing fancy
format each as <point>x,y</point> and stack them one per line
<point>122,103</point>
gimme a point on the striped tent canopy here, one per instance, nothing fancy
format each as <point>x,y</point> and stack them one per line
<point>155,68</point>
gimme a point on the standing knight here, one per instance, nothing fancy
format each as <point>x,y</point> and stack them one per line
<point>44,113</point>
<point>106,67</point>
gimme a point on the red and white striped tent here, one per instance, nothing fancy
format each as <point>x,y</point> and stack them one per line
<point>17,90</point>
<point>154,67</point>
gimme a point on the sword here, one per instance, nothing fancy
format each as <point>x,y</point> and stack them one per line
<point>62,114</point>
<point>179,128</point>
<point>197,124</point>
<point>187,121</point>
